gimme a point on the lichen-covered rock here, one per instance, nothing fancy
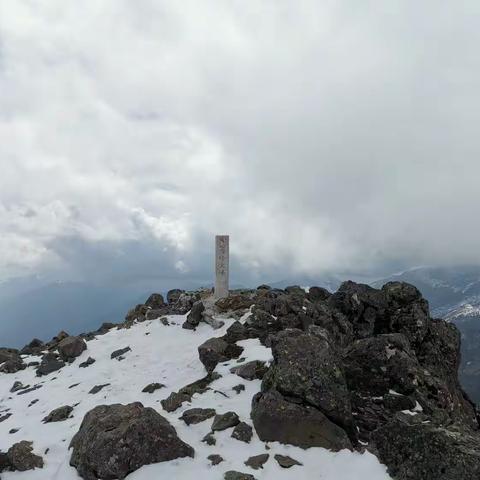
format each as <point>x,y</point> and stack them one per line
<point>254,370</point>
<point>21,457</point>
<point>414,450</point>
<point>306,368</point>
<point>197,415</point>
<point>115,440</point>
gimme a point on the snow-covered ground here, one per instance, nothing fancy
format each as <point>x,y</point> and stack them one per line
<point>168,355</point>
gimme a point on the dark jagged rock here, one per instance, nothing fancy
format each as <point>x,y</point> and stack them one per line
<point>71,347</point>
<point>416,450</point>
<point>105,327</point>
<point>23,391</point>
<point>317,294</point>
<point>107,444</point>
<point>89,361</point>
<point>258,461</point>
<point>197,415</point>
<point>12,366</point>
<point>20,457</point>
<point>307,368</point>
<point>239,388</point>
<point>216,350</point>
<point>215,459</point>
<point>4,417</point>
<point>35,347</point>
<point>97,388</point>
<point>209,439</point>
<point>285,461</point>
<point>59,414</point>
<point>174,295</point>
<point>152,387</point>
<point>120,352</point>
<point>242,432</point>
<point>277,419</point>
<point>224,421</point>
<point>195,316</point>
<point>155,301</point>
<point>17,386</point>
<point>174,401</point>
<point>50,363</point>
<point>254,370</point>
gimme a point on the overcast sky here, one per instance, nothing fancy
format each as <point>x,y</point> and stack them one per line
<point>322,136</point>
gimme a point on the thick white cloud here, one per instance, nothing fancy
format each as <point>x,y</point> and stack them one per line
<point>320,135</point>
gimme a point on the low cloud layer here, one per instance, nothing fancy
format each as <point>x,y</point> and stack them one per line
<point>332,136</point>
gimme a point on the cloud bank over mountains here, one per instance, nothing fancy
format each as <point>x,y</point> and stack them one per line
<point>321,137</point>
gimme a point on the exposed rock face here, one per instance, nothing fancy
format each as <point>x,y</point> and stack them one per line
<point>413,450</point>
<point>35,347</point>
<point>155,301</point>
<point>10,361</point>
<point>115,440</point>
<point>71,347</point>
<point>277,419</point>
<point>347,365</point>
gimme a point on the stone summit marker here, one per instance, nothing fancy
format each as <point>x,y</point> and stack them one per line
<point>221,265</point>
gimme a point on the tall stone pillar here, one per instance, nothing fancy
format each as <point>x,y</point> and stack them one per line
<point>221,266</point>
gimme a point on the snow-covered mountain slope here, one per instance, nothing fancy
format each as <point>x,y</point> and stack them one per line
<point>167,355</point>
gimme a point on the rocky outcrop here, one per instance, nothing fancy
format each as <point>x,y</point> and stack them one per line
<point>115,440</point>
<point>59,414</point>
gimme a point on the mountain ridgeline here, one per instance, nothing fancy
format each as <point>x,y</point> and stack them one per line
<point>362,369</point>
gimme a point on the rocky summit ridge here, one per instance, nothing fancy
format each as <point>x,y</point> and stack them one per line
<point>284,374</point>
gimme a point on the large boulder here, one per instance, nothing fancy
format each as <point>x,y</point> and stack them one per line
<point>50,363</point>
<point>306,367</point>
<point>276,419</point>
<point>216,350</point>
<point>115,440</point>
<point>71,347</point>
<point>414,449</point>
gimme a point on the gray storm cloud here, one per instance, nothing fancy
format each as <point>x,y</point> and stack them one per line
<point>323,136</point>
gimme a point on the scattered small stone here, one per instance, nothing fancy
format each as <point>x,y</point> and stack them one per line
<point>97,388</point>
<point>17,386</point>
<point>215,459</point>
<point>239,388</point>
<point>174,401</point>
<point>13,430</point>
<point>4,417</point>
<point>197,415</point>
<point>151,387</point>
<point>233,475</point>
<point>87,362</point>
<point>242,432</point>
<point>285,461</point>
<point>258,461</point>
<point>74,385</point>
<point>209,439</point>
<point>59,414</point>
<point>30,389</point>
<point>221,393</point>
<point>251,370</point>
<point>121,351</point>
<point>165,321</point>
<point>224,421</point>
<point>33,402</point>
